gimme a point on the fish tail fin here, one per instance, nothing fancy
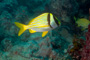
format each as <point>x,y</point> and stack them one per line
<point>22,28</point>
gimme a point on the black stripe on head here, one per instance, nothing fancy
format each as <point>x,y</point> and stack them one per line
<point>48,19</point>
<point>56,21</point>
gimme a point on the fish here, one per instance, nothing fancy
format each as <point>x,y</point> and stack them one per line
<point>42,23</point>
<point>82,22</point>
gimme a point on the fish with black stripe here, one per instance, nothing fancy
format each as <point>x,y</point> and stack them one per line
<point>42,23</point>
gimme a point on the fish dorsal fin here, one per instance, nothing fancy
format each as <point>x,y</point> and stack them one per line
<point>40,16</point>
<point>44,33</point>
<point>31,31</point>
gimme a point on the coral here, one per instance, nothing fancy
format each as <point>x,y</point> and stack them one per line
<point>63,8</point>
<point>34,5</point>
<point>22,14</point>
<point>75,51</point>
<point>7,44</point>
<point>8,5</point>
<point>65,34</point>
<point>86,49</point>
<point>81,48</point>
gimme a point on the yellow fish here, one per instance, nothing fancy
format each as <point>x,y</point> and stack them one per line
<point>83,22</point>
<point>42,23</point>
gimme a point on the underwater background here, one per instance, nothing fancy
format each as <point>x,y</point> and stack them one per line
<point>66,42</point>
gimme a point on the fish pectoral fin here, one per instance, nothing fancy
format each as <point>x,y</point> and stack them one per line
<point>31,31</point>
<point>44,33</point>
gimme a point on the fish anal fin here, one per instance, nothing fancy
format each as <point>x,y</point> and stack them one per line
<point>44,33</point>
<point>31,31</point>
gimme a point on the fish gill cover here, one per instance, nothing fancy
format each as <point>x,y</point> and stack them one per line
<point>66,42</point>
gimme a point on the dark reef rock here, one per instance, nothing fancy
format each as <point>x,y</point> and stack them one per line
<point>63,7</point>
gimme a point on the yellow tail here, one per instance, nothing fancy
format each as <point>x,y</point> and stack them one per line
<point>22,28</point>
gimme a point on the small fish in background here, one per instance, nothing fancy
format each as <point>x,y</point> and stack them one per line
<point>43,23</point>
<point>82,22</point>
